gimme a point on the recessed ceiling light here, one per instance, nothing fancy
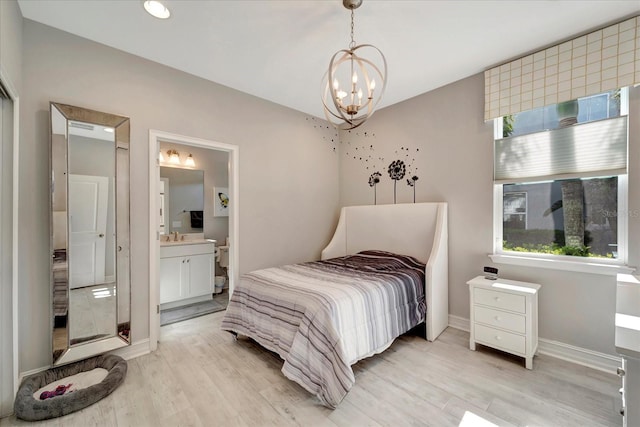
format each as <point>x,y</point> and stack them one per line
<point>157,9</point>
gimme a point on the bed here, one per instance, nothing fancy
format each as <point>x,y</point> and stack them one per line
<point>384,272</point>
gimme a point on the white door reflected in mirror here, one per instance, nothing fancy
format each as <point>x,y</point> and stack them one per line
<point>88,201</point>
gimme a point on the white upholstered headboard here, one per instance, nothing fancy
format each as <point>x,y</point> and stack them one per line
<point>416,229</point>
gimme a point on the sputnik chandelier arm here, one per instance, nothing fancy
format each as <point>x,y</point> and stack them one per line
<point>349,104</point>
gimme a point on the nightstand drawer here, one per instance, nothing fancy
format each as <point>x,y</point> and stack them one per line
<point>500,339</point>
<point>500,319</point>
<point>501,300</point>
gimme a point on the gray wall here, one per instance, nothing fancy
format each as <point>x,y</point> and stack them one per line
<point>11,65</point>
<point>442,135</point>
<point>288,172</point>
<point>11,41</point>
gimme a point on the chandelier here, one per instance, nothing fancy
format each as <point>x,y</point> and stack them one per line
<point>354,102</point>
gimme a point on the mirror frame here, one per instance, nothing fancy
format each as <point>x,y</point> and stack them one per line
<point>63,354</point>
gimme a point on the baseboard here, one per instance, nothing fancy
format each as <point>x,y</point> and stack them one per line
<point>459,323</point>
<point>559,350</point>
<point>581,356</point>
<point>136,349</point>
<point>25,374</point>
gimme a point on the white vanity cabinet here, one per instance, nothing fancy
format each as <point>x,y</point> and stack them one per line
<point>186,271</point>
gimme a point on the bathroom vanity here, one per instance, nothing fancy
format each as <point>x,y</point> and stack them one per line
<point>187,270</point>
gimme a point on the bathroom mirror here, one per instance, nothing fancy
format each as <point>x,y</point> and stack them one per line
<point>182,200</point>
<point>90,273</point>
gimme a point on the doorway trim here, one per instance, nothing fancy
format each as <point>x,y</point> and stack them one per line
<point>155,136</point>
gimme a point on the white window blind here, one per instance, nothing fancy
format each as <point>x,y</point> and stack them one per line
<point>600,61</point>
<point>590,149</point>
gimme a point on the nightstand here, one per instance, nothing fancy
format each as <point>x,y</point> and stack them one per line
<point>504,315</point>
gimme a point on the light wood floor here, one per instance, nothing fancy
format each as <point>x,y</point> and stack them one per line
<point>200,376</point>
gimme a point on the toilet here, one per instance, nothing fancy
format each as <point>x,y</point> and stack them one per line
<point>222,256</point>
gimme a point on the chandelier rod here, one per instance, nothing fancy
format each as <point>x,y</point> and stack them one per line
<point>353,42</point>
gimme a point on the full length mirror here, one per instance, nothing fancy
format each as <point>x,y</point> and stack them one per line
<point>90,232</point>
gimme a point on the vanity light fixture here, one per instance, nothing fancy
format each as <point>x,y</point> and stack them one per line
<point>354,102</point>
<point>174,157</point>
<point>156,9</point>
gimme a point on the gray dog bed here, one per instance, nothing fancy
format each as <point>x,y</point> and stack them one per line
<point>28,408</point>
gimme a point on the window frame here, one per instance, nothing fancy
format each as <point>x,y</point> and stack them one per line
<point>565,262</point>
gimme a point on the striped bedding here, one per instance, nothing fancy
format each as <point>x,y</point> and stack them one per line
<point>321,317</point>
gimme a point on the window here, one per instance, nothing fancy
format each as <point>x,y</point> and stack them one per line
<point>586,226</point>
<point>562,192</point>
<point>591,108</point>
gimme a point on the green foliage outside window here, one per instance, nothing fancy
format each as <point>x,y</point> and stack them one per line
<point>507,125</point>
<point>547,242</point>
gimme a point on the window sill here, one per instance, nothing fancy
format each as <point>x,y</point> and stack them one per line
<point>555,264</point>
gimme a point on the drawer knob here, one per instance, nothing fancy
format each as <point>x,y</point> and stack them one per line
<point>620,372</point>
<point>498,337</point>
<point>621,391</point>
<point>498,318</point>
<point>497,298</point>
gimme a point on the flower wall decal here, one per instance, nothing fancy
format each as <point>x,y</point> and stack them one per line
<point>412,183</point>
<point>397,170</point>
<point>374,179</point>
<point>360,149</point>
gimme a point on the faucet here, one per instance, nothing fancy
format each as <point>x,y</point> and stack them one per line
<point>175,236</point>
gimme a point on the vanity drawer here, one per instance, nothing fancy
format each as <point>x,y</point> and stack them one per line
<point>500,319</point>
<point>496,338</point>
<point>501,300</point>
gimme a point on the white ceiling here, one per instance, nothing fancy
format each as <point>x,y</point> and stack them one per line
<point>279,49</point>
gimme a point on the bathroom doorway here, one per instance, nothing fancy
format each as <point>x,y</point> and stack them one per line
<point>193,183</point>
<point>185,217</point>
